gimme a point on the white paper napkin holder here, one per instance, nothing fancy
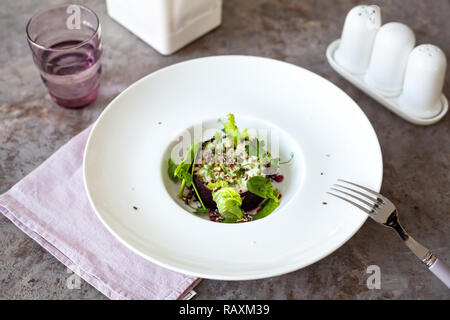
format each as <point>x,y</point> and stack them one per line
<point>167,25</point>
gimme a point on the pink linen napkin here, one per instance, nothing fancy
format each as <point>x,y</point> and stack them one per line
<point>50,205</point>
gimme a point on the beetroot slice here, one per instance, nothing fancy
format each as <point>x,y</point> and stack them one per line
<point>250,201</point>
<point>206,194</point>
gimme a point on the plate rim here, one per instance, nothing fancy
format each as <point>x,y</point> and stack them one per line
<point>215,276</point>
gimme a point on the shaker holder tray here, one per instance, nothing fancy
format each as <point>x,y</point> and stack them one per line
<point>389,102</point>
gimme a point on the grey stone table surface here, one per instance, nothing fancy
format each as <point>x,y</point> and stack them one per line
<point>416,159</point>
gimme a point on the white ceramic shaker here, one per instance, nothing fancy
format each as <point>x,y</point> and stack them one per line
<point>424,81</point>
<point>393,45</point>
<point>361,26</point>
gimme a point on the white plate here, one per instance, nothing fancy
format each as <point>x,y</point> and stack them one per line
<point>126,161</point>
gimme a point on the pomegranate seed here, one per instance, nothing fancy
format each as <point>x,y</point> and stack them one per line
<point>279,178</point>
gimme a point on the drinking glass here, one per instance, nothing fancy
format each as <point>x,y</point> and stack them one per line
<point>65,42</point>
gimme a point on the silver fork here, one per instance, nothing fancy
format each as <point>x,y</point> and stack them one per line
<point>383,211</point>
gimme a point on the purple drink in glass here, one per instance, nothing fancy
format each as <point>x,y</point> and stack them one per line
<point>66,45</point>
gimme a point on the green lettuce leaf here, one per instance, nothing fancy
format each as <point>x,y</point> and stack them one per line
<point>184,171</point>
<point>171,170</point>
<point>268,207</point>
<point>230,126</point>
<point>218,184</point>
<point>231,130</point>
<point>228,204</point>
<point>262,187</point>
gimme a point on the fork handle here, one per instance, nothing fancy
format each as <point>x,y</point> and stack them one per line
<point>438,267</point>
<point>442,271</point>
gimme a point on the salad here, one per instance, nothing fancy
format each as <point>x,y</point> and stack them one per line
<point>230,177</point>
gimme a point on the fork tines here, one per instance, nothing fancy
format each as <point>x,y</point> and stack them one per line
<point>365,202</point>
